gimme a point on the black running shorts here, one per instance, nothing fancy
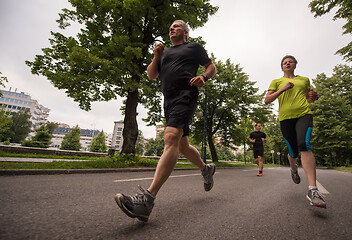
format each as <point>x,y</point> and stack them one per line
<point>297,133</point>
<point>258,152</point>
<point>180,113</point>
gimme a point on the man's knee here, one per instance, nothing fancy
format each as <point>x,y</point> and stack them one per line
<point>172,136</point>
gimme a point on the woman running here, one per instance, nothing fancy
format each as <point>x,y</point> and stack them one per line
<point>296,123</point>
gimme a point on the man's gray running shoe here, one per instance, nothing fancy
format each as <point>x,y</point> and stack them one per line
<point>207,174</point>
<point>295,177</point>
<point>139,206</point>
<point>316,198</point>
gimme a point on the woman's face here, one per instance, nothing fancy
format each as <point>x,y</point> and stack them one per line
<point>288,65</point>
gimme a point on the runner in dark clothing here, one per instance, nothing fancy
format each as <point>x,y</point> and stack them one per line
<point>177,68</point>
<point>257,138</point>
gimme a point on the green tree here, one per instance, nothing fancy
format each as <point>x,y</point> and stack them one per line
<point>240,135</point>
<point>332,117</point>
<point>98,144</point>
<point>343,11</point>
<point>155,146</point>
<point>71,140</point>
<point>5,121</point>
<point>140,143</point>
<point>20,127</point>
<point>230,95</point>
<point>275,142</point>
<point>43,137</point>
<point>224,153</point>
<point>3,79</point>
<point>109,57</point>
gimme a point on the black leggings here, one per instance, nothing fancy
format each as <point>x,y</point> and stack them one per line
<point>297,133</point>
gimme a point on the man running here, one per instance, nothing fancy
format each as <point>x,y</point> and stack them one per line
<point>177,68</point>
<point>257,138</point>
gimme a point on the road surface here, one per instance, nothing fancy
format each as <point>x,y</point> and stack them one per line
<point>240,206</point>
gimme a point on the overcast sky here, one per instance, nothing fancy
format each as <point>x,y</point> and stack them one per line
<point>254,33</point>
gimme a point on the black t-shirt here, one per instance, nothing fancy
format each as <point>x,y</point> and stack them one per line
<point>257,135</point>
<point>177,66</point>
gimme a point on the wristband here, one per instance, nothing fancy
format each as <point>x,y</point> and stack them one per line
<point>205,77</point>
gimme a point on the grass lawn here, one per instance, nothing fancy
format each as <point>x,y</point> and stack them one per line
<point>118,161</point>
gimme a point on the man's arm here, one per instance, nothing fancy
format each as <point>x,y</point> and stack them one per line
<point>210,71</point>
<point>152,69</point>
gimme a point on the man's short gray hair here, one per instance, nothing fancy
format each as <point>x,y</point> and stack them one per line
<point>184,26</point>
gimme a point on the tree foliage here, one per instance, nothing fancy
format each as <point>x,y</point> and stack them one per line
<point>109,56</point>
<point>332,117</point>
<point>98,144</point>
<point>240,135</point>
<point>20,126</point>
<point>5,121</point>
<point>230,97</point>
<point>224,153</point>
<point>43,136</point>
<point>3,80</point>
<point>155,147</point>
<point>321,7</point>
<point>71,141</point>
<point>275,142</point>
<point>140,144</point>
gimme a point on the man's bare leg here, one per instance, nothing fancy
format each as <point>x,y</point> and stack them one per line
<point>260,163</point>
<point>168,159</point>
<point>256,161</point>
<point>191,153</point>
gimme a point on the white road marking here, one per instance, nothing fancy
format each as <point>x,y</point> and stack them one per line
<point>321,188</point>
<point>151,178</point>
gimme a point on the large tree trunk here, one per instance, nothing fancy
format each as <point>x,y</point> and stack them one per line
<point>214,155</point>
<point>130,130</point>
<point>340,159</point>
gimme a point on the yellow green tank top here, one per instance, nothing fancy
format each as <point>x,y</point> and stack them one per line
<point>293,102</point>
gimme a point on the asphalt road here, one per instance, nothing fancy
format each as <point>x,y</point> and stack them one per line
<point>240,206</point>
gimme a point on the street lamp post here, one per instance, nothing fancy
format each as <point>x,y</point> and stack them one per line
<point>205,129</point>
<point>278,155</point>
<point>272,154</point>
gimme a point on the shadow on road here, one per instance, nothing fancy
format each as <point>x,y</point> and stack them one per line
<point>319,213</point>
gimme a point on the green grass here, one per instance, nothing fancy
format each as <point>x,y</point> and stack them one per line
<point>27,155</point>
<point>118,161</point>
<point>106,163</point>
<point>345,169</point>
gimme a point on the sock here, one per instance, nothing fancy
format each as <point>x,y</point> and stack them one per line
<point>260,171</point>
<point>312,188</point>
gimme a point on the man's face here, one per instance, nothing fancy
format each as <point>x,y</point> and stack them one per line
<point>288,64</point>
<point>258,127</point>
<point>176,31</point>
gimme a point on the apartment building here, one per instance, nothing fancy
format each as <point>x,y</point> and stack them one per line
<point>14,101</point>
